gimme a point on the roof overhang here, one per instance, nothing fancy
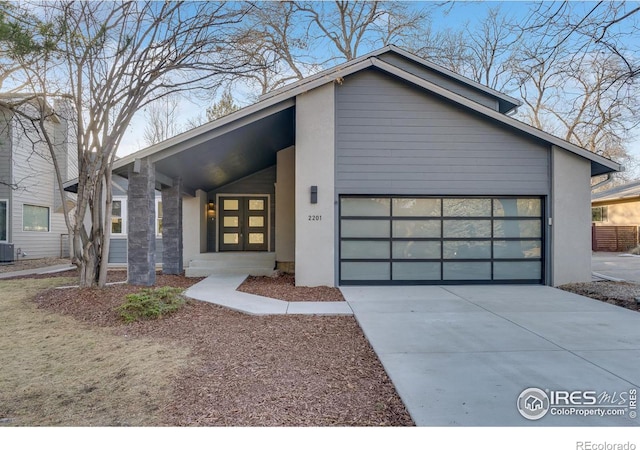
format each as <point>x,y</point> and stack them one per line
<point>222,151</point>
<point>247,140</point>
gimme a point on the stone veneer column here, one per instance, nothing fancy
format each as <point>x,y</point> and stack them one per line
<point>172,228</point>
<point>141,230</point>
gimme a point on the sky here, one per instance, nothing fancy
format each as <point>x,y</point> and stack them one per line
<point>459,14</point>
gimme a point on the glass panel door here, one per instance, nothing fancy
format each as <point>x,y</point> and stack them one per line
<point>243,224</point>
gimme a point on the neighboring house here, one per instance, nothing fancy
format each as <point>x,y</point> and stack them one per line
<point>615,214</point>
<point>619,205</point>
<point>118,242</point>
<point>386,169</point>
<point>32,223</point>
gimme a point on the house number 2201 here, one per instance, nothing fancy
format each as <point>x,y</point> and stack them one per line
<point>314,218</point>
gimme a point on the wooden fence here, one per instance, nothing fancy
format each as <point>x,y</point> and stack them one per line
<point>613,238</point>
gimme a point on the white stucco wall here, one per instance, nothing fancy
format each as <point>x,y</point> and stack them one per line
<point>194,226</point>
<point>571,214</point>
<point>314,166</point>
<point>285,205</point>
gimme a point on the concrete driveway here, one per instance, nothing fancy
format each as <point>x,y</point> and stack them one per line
<point>462,355</point>
<point>616,265</point>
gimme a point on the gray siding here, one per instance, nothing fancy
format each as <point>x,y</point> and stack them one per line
<point>5,155</point>
<point>392,138</point>
<point>262,182</point>
<point>441,80</point>
<point>118,251</point>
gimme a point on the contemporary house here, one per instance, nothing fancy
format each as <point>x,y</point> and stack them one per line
<point>615,214</point>
<point>32,222</point>
<point>386,169</point>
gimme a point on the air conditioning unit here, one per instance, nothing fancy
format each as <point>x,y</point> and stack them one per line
<point>6,253</point>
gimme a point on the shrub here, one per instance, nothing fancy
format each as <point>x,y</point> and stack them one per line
<point>151,304</point>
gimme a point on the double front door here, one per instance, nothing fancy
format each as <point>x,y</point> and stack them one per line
<point>243,223</point>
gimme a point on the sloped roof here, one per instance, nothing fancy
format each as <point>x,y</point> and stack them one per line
<point>624,191</point>
<point>283,99</point>
<point>506,102</point>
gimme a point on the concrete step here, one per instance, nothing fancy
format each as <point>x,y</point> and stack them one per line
<point>236,256</point>
<point>206,271</point>
<point>231,263</point>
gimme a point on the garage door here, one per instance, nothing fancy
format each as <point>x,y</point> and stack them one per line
<point>444,240</point>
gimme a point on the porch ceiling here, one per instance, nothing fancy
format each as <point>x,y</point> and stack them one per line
<point>229,153</point>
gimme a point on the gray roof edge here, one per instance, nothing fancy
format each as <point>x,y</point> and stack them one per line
<point>344,70</point>
<point>624,191</point>
<point>408,55</point>
<point>491,113</point>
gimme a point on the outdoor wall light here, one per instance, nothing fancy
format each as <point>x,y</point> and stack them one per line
<point>211,210</point>
<point>314,194</point>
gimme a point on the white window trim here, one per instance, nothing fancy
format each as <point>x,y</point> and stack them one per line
<point>37,206</point>
<point>604,211</point>
<point>123,216</point>
<point>158,200</point>
<point>6,219</point>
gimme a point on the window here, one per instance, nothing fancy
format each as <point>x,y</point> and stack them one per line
<point>158,217</point>
<point>35,218</point>
<point>599,214</point>
<point>117,220</point>
<point>4,221</point>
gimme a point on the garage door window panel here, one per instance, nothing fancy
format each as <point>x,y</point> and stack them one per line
<point>466,207</point>
<point>365,228</point>
<point>421,271</point>
<point>517,207</point>
<point>466,250</point>
<point>417,228</point>
<point>365,250</point>
<point>517,270</point>
<point>366,207</point>
<point>466,229</point>
<point>517,228</point>
<point>480,271</point>
<point>517,249</point>
<point>417,207</point>
<point>366,271</point>
<point>386,240</point>
<point>416,250</point>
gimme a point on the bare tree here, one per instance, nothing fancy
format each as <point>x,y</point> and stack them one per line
<point>608,28</point>
<point>162,120</point>
<point>112,59</point>
<point>350,25</point>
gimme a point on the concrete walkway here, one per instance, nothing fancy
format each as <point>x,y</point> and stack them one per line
<point>462,355</point>
<point>617,266</point>
<point>221,290</point>
<point>38,271</point>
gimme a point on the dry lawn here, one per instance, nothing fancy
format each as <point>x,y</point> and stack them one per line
<point>55,371</point>
<point>67,359</point>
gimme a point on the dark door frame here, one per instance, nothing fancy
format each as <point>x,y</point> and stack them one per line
<point>243,228</point>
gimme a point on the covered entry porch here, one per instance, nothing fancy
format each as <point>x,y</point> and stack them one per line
<point>224,187</point>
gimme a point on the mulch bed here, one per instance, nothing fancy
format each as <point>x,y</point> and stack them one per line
<point>283,287</point>
<point>614,292</point>
<point>254,370</point>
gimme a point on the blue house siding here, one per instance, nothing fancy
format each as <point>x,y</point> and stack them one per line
<point>118,251</point>
<point>392,138</point>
